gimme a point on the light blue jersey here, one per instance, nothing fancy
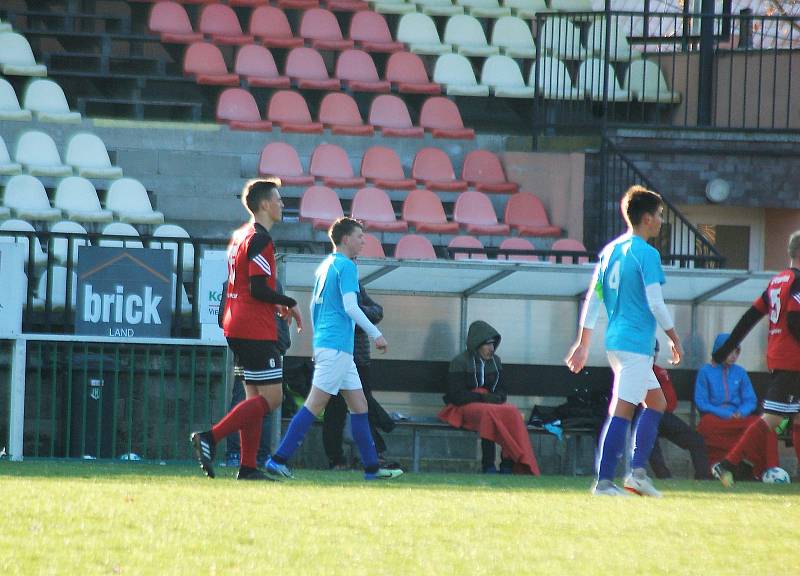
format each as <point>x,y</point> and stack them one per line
<point>333,328</point>
<point>627,265</point>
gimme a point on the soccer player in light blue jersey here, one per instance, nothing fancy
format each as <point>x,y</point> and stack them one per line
<point>627,280</point>
<point>335,312</point>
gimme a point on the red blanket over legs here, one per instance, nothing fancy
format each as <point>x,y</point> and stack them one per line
<point>500,423</point>
<point>761,450</point>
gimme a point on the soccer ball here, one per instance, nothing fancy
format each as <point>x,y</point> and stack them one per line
<point>775,476</point>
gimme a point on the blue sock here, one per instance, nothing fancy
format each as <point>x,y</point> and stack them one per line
<point>362,436</point>
<point>612,445</point>
<point>644,437</point>
<point>298,427</point>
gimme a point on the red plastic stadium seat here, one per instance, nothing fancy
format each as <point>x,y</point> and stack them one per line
<point>297,4</point>
<point>346,5</point>
<point>407,72</point>
<point>373,207</point>
<point>432,169</point>
<point>372,247</point>
<point>467,242</point>
<point>381,166</point>
<point>320,27</point>
<point>370,32</point>
<point>414,247</point>
<point>423,210</point>
<point>171,22</point>
<point>306,67</point>
<point>279,159</point>
<point>239,110</point>
<point>270,26</point>
<point>205,62</point>
<point>483,170</point>
<point>474,211</point>
<point>389,113</point>
<point>339,112</point>
<point>442,118</point>
<point>517,244</point>
<point>256,64</point>
<point>247,3</point>
<point>357,72</point>
<point>220,22</point>
<point>330,164</point>
<point>568,245</point>
<point>289,110</point>
<point>525,214</point>
<point>320,205</point>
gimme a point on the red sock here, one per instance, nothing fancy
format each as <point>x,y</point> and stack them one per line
<point>751,444</point>
<point>251,410</point>
<point>250,437</point>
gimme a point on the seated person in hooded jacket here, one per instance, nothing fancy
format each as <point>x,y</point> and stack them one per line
<point>476,400</point>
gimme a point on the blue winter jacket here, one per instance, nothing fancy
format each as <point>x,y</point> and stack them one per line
<point>711,395</point>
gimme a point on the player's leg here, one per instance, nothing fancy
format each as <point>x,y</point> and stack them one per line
<point>333,429</point>
<point>681,434</point>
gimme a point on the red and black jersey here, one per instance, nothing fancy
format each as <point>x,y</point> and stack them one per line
<point>250,253</point>
<point>781,297</point>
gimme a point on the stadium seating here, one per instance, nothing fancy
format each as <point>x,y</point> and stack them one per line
<point>7,167</point>
<point>373,207</point>
<point>485,8</point>
<point>393,7</point>
<point>26,197</point>
<point>466,35</point>
<point>46,99</point>
<point>270,26</point>
<point>289,111</point>
<point>568,245</point>
<point>526,215</point>
<point>560,38</point>
<point>554,80</point>
<point>455,73</point>
<point>645,82</point>
<point>297,4</point>
<point>239,110</point>
<point>503,76</point>
<point>347,5</point>
<point>87,153</point>
<point>357,72</point>
<point>128,200</point>
<point>16,225</point>
<point>370,32</point>
<point>372,247</point>
<point>482,170</point>
<point>381,167</point>
<point>618,50</point>
<point>433,170</point>
<point>9,104</point>
<point>173,231</point>
<point>591,75</point>
<point>406,71</point>
<point>77,198</point>
<point>513,37</point>
<point>571,6</point>
<point>389,113</point>
<point>321,206</point>
<point>256,65</point>
<point>120,229</point>
<point>59,246</point>
<point>414,247</point>
<point>517,244</point>
<point>16,56</point>
<point>526,8</point>
<point>423,210</point>
<point>330,164</point>
<point>474,212</point>
<point>320,27</point>
<point>57,297</point>
<point>306,68</point>
<point>467,242</point>
<point>339,112</point>
<point>37,152</point>
<point>439,7</point>
<point>419,32</point>
<point>5,26</point>
<point>441,117</point>
<point>220,23</point>
<point>280,159</point>
<point>204,61</point>
<point>171,22</point>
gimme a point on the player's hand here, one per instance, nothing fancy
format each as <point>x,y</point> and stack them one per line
<point>381,344</point>
<point>677,352</point>
<point>577,357</point>
<point>295,313</point>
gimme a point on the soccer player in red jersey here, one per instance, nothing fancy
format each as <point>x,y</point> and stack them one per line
<point>249,310</point>
<point>781,302</point>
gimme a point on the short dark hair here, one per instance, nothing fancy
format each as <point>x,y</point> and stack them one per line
<point>639,201</point>
<point>794,245</point>
<point>341,228</point>
<point>257,190</point>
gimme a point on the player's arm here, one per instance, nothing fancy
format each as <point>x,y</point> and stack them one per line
<point>793,311</point>
<point>655,301</point>
<point>579,352</point>
<point>746,323</point>
<point>348,285</point>
<point>260,270</point>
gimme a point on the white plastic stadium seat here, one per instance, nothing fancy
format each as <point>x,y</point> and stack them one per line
<point>15,225</point>
<point>128,199</point>
<point>393,7</point>
<point>527,8</point>
<point>513,36</point>
<point>16,56</point>
<point>466,35</point>
<point>7,167</point>
<point>60,246</point>
<point>485,8</point>
<point>47,100</point>
<point>554,80</point>
<point>37,152</point>
<point>77,198</point>
<point>561,38</point>
<point>590,81</point>
<point>27,198</point>
<point>9,104</point>
<point>618,50</point>
<point>174,231</point>
<point>419,32</point>
<point>439,7</point>
<point>120,229</point>
<point>646,83</point>
<point>58,290</point>
<point>88,154</point>
<point>455,72</point>
<point>504,77</point>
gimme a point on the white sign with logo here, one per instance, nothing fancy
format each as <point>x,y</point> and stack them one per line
<point>213,273</point>
<point>12,271</point>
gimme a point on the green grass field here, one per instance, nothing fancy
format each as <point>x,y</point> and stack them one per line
<point>134,518</point>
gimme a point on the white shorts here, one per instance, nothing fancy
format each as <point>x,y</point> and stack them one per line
<point>334,370</point>
<point>633,375</point>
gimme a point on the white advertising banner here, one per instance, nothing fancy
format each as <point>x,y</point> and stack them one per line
<point>213,273</point>
<point>12,271</point>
